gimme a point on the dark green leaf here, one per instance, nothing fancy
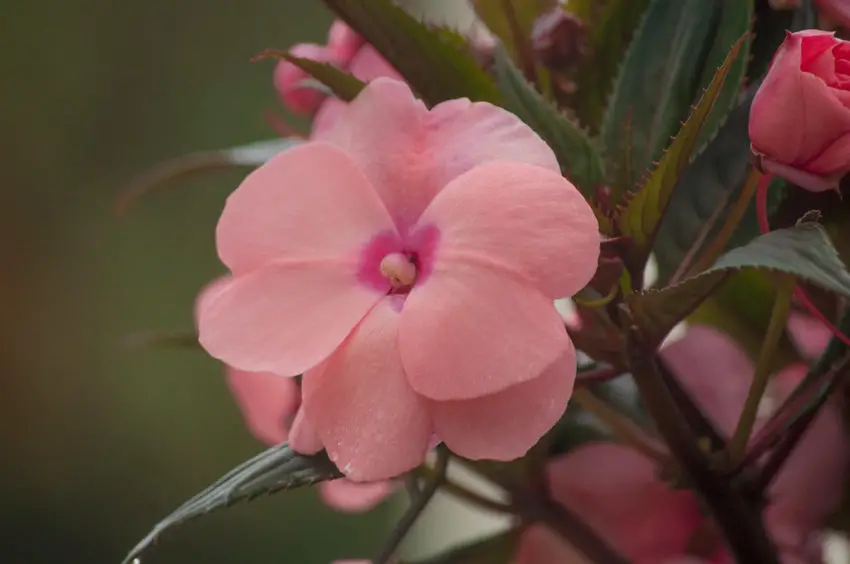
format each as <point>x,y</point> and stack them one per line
<point>735,19</point>
<point>804,251</point>
<point>499,549</point>
<point>579,159</point>
<point>658,82</point>
<point>187,166</point>
<point>437,68</point>
<point>646,208</point>
<point>343,85</point>
<point>610,28</point>
<point>278,468</point>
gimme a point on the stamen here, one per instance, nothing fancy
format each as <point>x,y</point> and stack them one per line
<point>399,269</point>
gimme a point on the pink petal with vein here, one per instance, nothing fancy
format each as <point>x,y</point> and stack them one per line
<point>520,219</point>
<point>505,425</point>
<point>372,423</point>
<point>310,203</point>
<point>410,153</point>
<point>285,318</point>
<point>469,331</point>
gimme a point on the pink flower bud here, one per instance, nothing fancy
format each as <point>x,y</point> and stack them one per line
<point>559,39</point>
<point>289,79</point>
<point>800,118</point>
<point>344,42</point>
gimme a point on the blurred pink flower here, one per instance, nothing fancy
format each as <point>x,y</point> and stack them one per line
<point>407,266</point>
<point>837,10</point>
<point>809,334</point>
<point>270,406</point>
<point>616,490</point>
<point>800,118</point>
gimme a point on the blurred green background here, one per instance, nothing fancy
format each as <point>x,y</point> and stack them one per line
<point>99,442</point>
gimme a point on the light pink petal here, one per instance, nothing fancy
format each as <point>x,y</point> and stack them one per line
<point>303,438</point>
<point>410,153</point>
<point>367,65</point>
<point>354,497</point>
<point>285,318</point>
<point>505,425</point>
<point>521,219</point>
<point>614,490</point>
<point>344,42</point>
<point>469,332</point>
<point>805,491</point>
<point>309,203</point>
<point>209,292</point>
<point>372,423</point>
<point>714,370</point>
<point>809,334</point>
<point>268,402</point>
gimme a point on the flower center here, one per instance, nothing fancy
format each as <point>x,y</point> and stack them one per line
<point>399,269</point>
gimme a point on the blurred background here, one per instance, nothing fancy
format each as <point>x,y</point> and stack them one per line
<point>99,442</point>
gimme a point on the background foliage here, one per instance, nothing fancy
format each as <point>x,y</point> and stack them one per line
<point>99,443</point>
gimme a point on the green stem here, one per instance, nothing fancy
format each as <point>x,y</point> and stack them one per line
<point>778,317</point>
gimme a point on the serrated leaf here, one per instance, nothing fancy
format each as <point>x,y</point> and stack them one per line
<point>708,187</point>
<point>187,166</point>
<point>498,549</point>
<point>644,211</point>
<point>278,468</point>
<point>804,251</point>
<point>436,68</point>
<point>580,161</point>
<point>344,86</point>
<point>735,20</point>
<point>610,28</point>
<point>494,16</point>
<point>658,82</point>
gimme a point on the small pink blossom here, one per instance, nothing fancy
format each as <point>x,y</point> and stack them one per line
<point>271,404</point>
<point>469,347</point>
<point>617,492</point>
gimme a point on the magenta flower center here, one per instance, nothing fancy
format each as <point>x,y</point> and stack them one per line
<point>399,269</point>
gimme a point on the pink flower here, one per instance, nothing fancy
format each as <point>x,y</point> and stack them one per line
<point>270,405</point>
<point>617,491</point>
<point>809,334</point>
<point>800,117</point>
<point>407,266</point>
<point>838,10</point>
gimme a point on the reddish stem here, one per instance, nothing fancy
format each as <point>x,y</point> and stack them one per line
<point>799,293</point>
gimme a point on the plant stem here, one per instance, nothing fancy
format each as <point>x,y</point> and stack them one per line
<point>523,47</point>
<point>417,506</point>
<point>729,226</point>
<point>596,376</point>
<point>626,431</point>
<point>738,520</point>
<point>775,328</point>
<point>462,492</point>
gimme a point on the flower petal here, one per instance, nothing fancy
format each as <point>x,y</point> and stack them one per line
<point>522,219</point>
<point>410,153</point>
<point>286,317</point>
<point>470,332</point>
<point>505,425</point>
<point>538,544</point>
<point>307,203</point>
<point>303,437</point>
<point>372,423</point>
<point>268,402</point>
<point>614,490</point>
<point>354,497</point>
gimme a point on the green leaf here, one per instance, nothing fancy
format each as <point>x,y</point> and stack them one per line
<point>580,160</point>
<point>735,19</point>
<point>343,85</point>
<point>278,468</point>
<point>644,211</point>
<point>804,251</point>
<point>498,549</point>
<point>658,81</point>
<point>187,166</point>
<point>708,187</point>
<point>435,67</point>
<point>494,16</point>
<point>610,28</point>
